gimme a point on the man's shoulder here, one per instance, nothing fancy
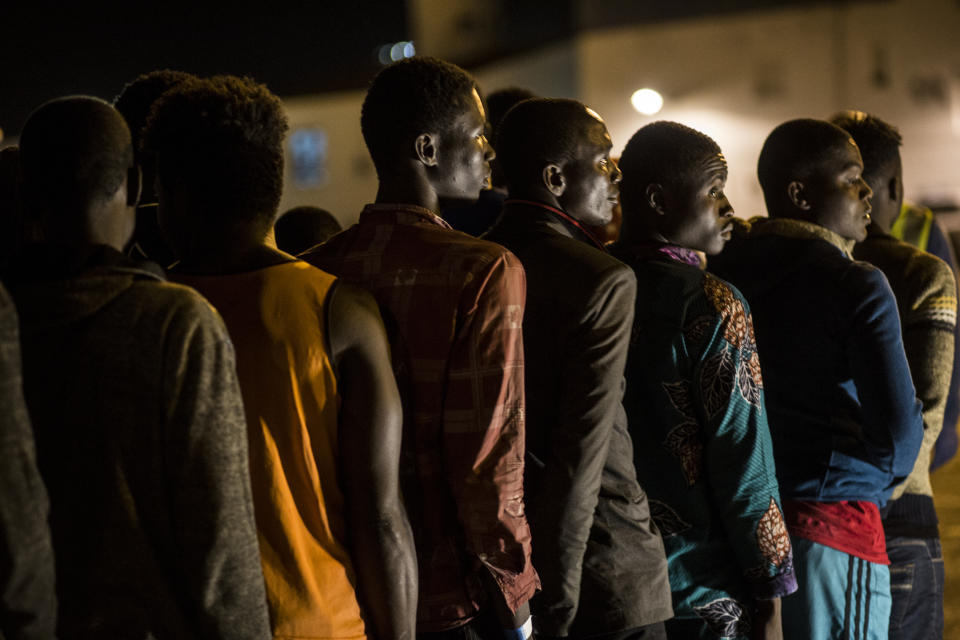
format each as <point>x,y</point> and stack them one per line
<point>174,307</point>
<point>680,282</point>
<point>707,299</point>
<point>896,256</point>
<point>568,272</point>
<point>574,255</point>
<point>422,244</point>
<point>856,278</point>
<point>924,284</point>
<point>477,250</point>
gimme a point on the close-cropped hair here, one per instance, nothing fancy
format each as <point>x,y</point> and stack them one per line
<point>796,150</point>
<point>74,151</point>
<point>220,139</point>
<point>408,98</point>
<point>879,142</point>
<point>137,96</point>
<point>499,102</point>
<point>666,153</point>
<point>302,227</point>
<point>540,131</point>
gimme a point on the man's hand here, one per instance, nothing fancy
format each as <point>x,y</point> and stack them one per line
<point>508,619</point>
<point>766,620</point>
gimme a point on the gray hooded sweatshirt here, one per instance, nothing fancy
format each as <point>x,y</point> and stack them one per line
<point>27,603</point>
<point>141,440</point>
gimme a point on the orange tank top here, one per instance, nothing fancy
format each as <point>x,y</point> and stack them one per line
<point>276,317</point>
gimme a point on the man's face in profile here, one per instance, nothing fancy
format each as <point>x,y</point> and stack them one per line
<point>592,177</point>
<point>464,154</point>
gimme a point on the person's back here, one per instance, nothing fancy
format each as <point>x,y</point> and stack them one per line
<point>917,226</point>
<point>28,603</point>
<point>435,323</point>
<point>102,349</point>
<point>811,306</point>
<point>843,414</point>
<point>131,385</point>
<point>276,317</point>
<point>453,307</point>
<point>323,415</point>
<point>587,511</point>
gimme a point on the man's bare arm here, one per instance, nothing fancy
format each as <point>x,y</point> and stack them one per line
<point>371,421</point>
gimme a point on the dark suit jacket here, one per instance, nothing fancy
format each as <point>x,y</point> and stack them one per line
<point>600,558</point>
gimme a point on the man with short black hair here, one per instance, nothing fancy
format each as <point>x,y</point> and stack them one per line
<point>601,559</point>
<point>927,301</point>
<point>303,227</point>
<point>843,413</point>
<point>694,396</point>
<point>453,307</point>
<point>132,390</point>
<point>134,102</point>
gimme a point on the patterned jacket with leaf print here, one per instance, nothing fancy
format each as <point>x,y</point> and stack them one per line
<point>703,451</point>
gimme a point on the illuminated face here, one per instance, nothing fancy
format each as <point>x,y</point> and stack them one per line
<point>698,213</point>
<point>839,197</point>
<point>592,178</point>
<point>464,155</point>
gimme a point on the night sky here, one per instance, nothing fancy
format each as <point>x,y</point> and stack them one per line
<point>52,49</point>
<point>49,50</point>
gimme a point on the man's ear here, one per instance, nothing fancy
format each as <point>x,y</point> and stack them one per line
<point>134,185</point>
<point>654,195</point>
<point>893,189</point>
<point>554,180</point>
<point>426,148</point>
<point>798,195</point>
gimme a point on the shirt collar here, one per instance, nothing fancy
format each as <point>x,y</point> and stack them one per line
<point>794,228</point>
<point>573,226</point>
<point>649,250</point>
<point>403,214</point>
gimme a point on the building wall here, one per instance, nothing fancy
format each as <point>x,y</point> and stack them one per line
<point>347,179</point>
<point>738,76</point>
<point>734,77</point>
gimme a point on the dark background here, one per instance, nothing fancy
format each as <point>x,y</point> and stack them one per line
<point>52,49</point>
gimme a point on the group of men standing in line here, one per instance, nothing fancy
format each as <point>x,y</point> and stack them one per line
<point>410,431</point>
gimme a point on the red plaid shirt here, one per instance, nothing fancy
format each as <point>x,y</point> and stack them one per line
<point>453,307</point>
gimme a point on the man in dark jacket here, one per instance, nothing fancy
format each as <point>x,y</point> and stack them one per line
<point>132,389</point>
<point>600,558</point>
<point>843,413</point>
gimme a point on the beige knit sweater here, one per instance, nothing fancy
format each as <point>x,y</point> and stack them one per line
<point>926,296</point>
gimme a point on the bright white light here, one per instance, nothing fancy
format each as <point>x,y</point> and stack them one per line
<point>646,101</point>
<point>384,54</point>
<point>396,51</point>
<point>408,50</point>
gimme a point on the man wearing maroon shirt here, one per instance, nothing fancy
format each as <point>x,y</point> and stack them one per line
<point>453,307</point>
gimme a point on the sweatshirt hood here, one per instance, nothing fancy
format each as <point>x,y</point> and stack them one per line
<point>56,285</point>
